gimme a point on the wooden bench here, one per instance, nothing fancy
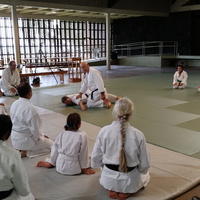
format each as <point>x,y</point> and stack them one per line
<point>61,73</point>
<point>25,76</point>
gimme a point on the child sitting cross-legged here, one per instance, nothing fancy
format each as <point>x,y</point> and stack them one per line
<point>69,153</point>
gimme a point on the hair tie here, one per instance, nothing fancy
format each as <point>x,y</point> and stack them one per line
<point>74,126</point>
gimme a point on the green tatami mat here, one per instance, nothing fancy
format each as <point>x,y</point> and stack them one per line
<point>191,125</point>
<point>167,117</point>
<point>190,107</point>
<point>163,115</point>
<point>168,136</point>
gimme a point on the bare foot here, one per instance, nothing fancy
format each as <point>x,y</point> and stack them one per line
<point>117,98</point>
<point>23,154</point>
<point>87,171</point>
<point>113,194</point>
<point>44,164</point>
<point>107,102</point>
<point>123,196</point>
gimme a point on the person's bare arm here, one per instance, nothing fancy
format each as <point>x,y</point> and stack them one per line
<point>13,90</point>
<point>83,108</point>
<point>79,95</point>
<point>103,97</point>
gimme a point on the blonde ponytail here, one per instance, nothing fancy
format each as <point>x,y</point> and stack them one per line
<point>122,154</point>
<point>123,109</point>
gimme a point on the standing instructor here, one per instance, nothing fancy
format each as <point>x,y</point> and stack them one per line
<point>94,82</point>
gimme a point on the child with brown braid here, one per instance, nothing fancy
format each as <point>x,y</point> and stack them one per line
<point>69,152</point>
<point>122,152</point>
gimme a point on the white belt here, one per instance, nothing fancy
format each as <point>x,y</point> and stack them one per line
<point>69,158</point>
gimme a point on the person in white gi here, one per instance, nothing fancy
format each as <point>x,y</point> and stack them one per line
<point>70,100</point>
<point>27,135</point>
<point>120,149</point>
<point>93,82</point>
<point>180,78</point>
<point>10,79</point>
<point>69,152</point>
<point>13,178</point>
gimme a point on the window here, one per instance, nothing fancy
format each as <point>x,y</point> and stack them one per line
<point>52,38</point>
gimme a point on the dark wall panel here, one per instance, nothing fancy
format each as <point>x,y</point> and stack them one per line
<point>176,27</point>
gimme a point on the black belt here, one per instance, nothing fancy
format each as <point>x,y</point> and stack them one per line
<point>14,86</point>
<point>93,93</point>
<point>5,194</point>
<point>116,167</point>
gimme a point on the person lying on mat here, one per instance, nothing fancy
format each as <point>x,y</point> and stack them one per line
<point>27,134</point>
<point>180,78</point>
<point>69,153</point>
<point>70,100</point>
<point>13,179</point>
<point>122,152</point>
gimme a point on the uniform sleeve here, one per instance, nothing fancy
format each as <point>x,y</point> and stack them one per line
<point>185,76</point>
<point>83,156</point>
<point>20,178</point>
<point>144,159</point>
<point>174,78</point>
<point>74,100</point>
<point>5,81</point>
<point>97,154</point>
<point>17,78</point>
<point>35,126</point>
<point>98,81</point>
<point>84,85</point>
<point>54,150</point>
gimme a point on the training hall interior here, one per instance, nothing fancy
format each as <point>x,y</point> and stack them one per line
<point>137,46</point>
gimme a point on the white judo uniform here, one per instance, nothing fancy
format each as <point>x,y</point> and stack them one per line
<point>182,78</point>
<point>27,128</point>
<point>106,151</point>
<point>93,82</point>
<point>84,98</point>
<point>69,152</point>
<point>13,174</point>
<point>9,80</point>
<point>76,101</point>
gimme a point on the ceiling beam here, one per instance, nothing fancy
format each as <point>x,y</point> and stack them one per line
<point>187,8</point>
<point>177,5</point>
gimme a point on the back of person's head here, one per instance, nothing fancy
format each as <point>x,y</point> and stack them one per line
<point>63,99</point>
<point>23,89</point>
<point>123,109</point>
<point>73,122</point>
<point>5,127</point>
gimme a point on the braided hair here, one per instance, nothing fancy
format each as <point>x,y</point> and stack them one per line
<point>73,122</point>
<point>123,109</point>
